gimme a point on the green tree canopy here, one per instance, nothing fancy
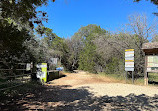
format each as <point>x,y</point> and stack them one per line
<point>23,10</point>
<point>155,2</point>
<point>88,57</point>
<point>152,1</point>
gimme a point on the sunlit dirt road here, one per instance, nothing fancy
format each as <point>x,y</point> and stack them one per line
<point>101,86</point>
<point>81,91</point>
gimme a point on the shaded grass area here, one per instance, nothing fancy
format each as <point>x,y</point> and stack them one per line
<point>64,98</point>
<point>153,79</point>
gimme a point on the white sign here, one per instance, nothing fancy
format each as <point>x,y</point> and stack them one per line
<point>129,60</point>
<point>41,66</point>
<point>129,64</point>
<point>40,74</point>
<point>129,53</point>
<point>54,61</point>
<point>148,69</point>
<point>28,66</point>
<point>129,68</point>
<point>42,71</point>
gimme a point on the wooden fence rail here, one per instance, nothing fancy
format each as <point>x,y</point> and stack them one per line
<point>10,87</point>
<point>16,81</point>
<point>18,75</point>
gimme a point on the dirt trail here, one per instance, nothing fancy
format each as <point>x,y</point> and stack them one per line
<point>88,92</point>
<point>101,86</point>
<point>84,91</point>
<point>80,78</point>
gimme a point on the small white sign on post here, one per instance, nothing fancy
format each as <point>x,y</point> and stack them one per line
<point>28,66</point>
<point>129,60</point>
<point>54,61</point>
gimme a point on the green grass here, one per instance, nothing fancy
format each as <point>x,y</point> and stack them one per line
<point>114,76</point>
<point>153,78</point>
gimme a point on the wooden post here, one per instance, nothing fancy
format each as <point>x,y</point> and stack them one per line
<point>126,76</point>
<point>145,71</point>
<point>147,78</point>
<point>132,77</point>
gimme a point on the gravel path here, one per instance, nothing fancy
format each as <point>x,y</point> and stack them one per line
<point>118,89</point>
<point>87,92</point>
<point>90,92</point>
<point>103,86</point>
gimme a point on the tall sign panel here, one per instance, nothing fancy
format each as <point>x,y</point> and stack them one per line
<point>129,62</point>
<point>42,72</point>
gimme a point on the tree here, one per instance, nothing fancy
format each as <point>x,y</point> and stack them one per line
<point>136,33</point>
<point>155,39</point>
<point>110,48</point>
<point>143,32</point>
<point>61,51</point>
<point>16,20</point>
<point>12,49</point>
<point>88,58</point>
<point>23,11</point>
<point>152,1</point>
<point>46,33</point>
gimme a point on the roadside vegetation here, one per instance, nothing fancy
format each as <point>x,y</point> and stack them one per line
<point>120,78</point>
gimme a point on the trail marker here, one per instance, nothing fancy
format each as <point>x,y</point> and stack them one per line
<point>129,62</point>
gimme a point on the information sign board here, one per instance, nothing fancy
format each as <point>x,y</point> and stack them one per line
<point>152,63</point>
<point>54,61</point>
<point>129,60</point>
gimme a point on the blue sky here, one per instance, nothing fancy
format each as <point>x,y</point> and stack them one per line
<point>67,16</point>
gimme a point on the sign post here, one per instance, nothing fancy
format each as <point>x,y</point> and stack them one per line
<point>129,62</point>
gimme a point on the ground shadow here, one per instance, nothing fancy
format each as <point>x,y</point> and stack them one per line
<point>153,82</point>
<point>64,98</point>
<point>55,77</point>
